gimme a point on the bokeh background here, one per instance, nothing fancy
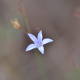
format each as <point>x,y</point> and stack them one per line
<point>57,21</point>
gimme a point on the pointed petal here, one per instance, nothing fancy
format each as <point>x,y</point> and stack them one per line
<point>40,36</point>
<point>41,49</point>
<point>30,47</point>
<point>33,38</point>
<point>47,40</point>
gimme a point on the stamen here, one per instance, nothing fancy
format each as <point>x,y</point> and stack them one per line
<point>38,44</point>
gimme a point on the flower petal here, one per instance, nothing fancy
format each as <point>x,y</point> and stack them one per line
<point>41,49</point>
<point>40,36</point>
<point>33,38</point>
<point>47,40</point>
<point>30,47</point>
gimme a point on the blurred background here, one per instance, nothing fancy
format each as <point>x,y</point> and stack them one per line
<point>58,20</point>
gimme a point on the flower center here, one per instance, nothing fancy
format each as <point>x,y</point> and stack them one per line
<point>38,44</point>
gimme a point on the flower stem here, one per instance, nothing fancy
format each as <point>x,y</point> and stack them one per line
<point>41,64</point>
<point>23,31</point>
<point>24,14</point>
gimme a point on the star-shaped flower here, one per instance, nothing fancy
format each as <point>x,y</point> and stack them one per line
<point>38,42</point>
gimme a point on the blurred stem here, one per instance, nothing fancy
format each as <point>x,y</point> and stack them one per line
<point>24,14</point>
<point>20,10</point>
<point>23,31</point>
<point>41,64</point>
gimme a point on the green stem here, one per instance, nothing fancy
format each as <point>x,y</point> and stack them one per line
<point>41,64</point>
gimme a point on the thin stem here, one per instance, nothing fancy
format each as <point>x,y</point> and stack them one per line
<point>41,64</point>
<point>23,9</point>
<point>23,31</point>
<point>20,10</point>
<point>24,14</point>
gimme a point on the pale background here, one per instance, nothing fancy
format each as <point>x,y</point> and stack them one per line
<point>57,21</point>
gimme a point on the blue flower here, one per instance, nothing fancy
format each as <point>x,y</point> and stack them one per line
<point>38,42</point>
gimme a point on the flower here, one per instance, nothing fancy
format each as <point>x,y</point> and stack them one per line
<point>38,42</point>
<point>16,24</point>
